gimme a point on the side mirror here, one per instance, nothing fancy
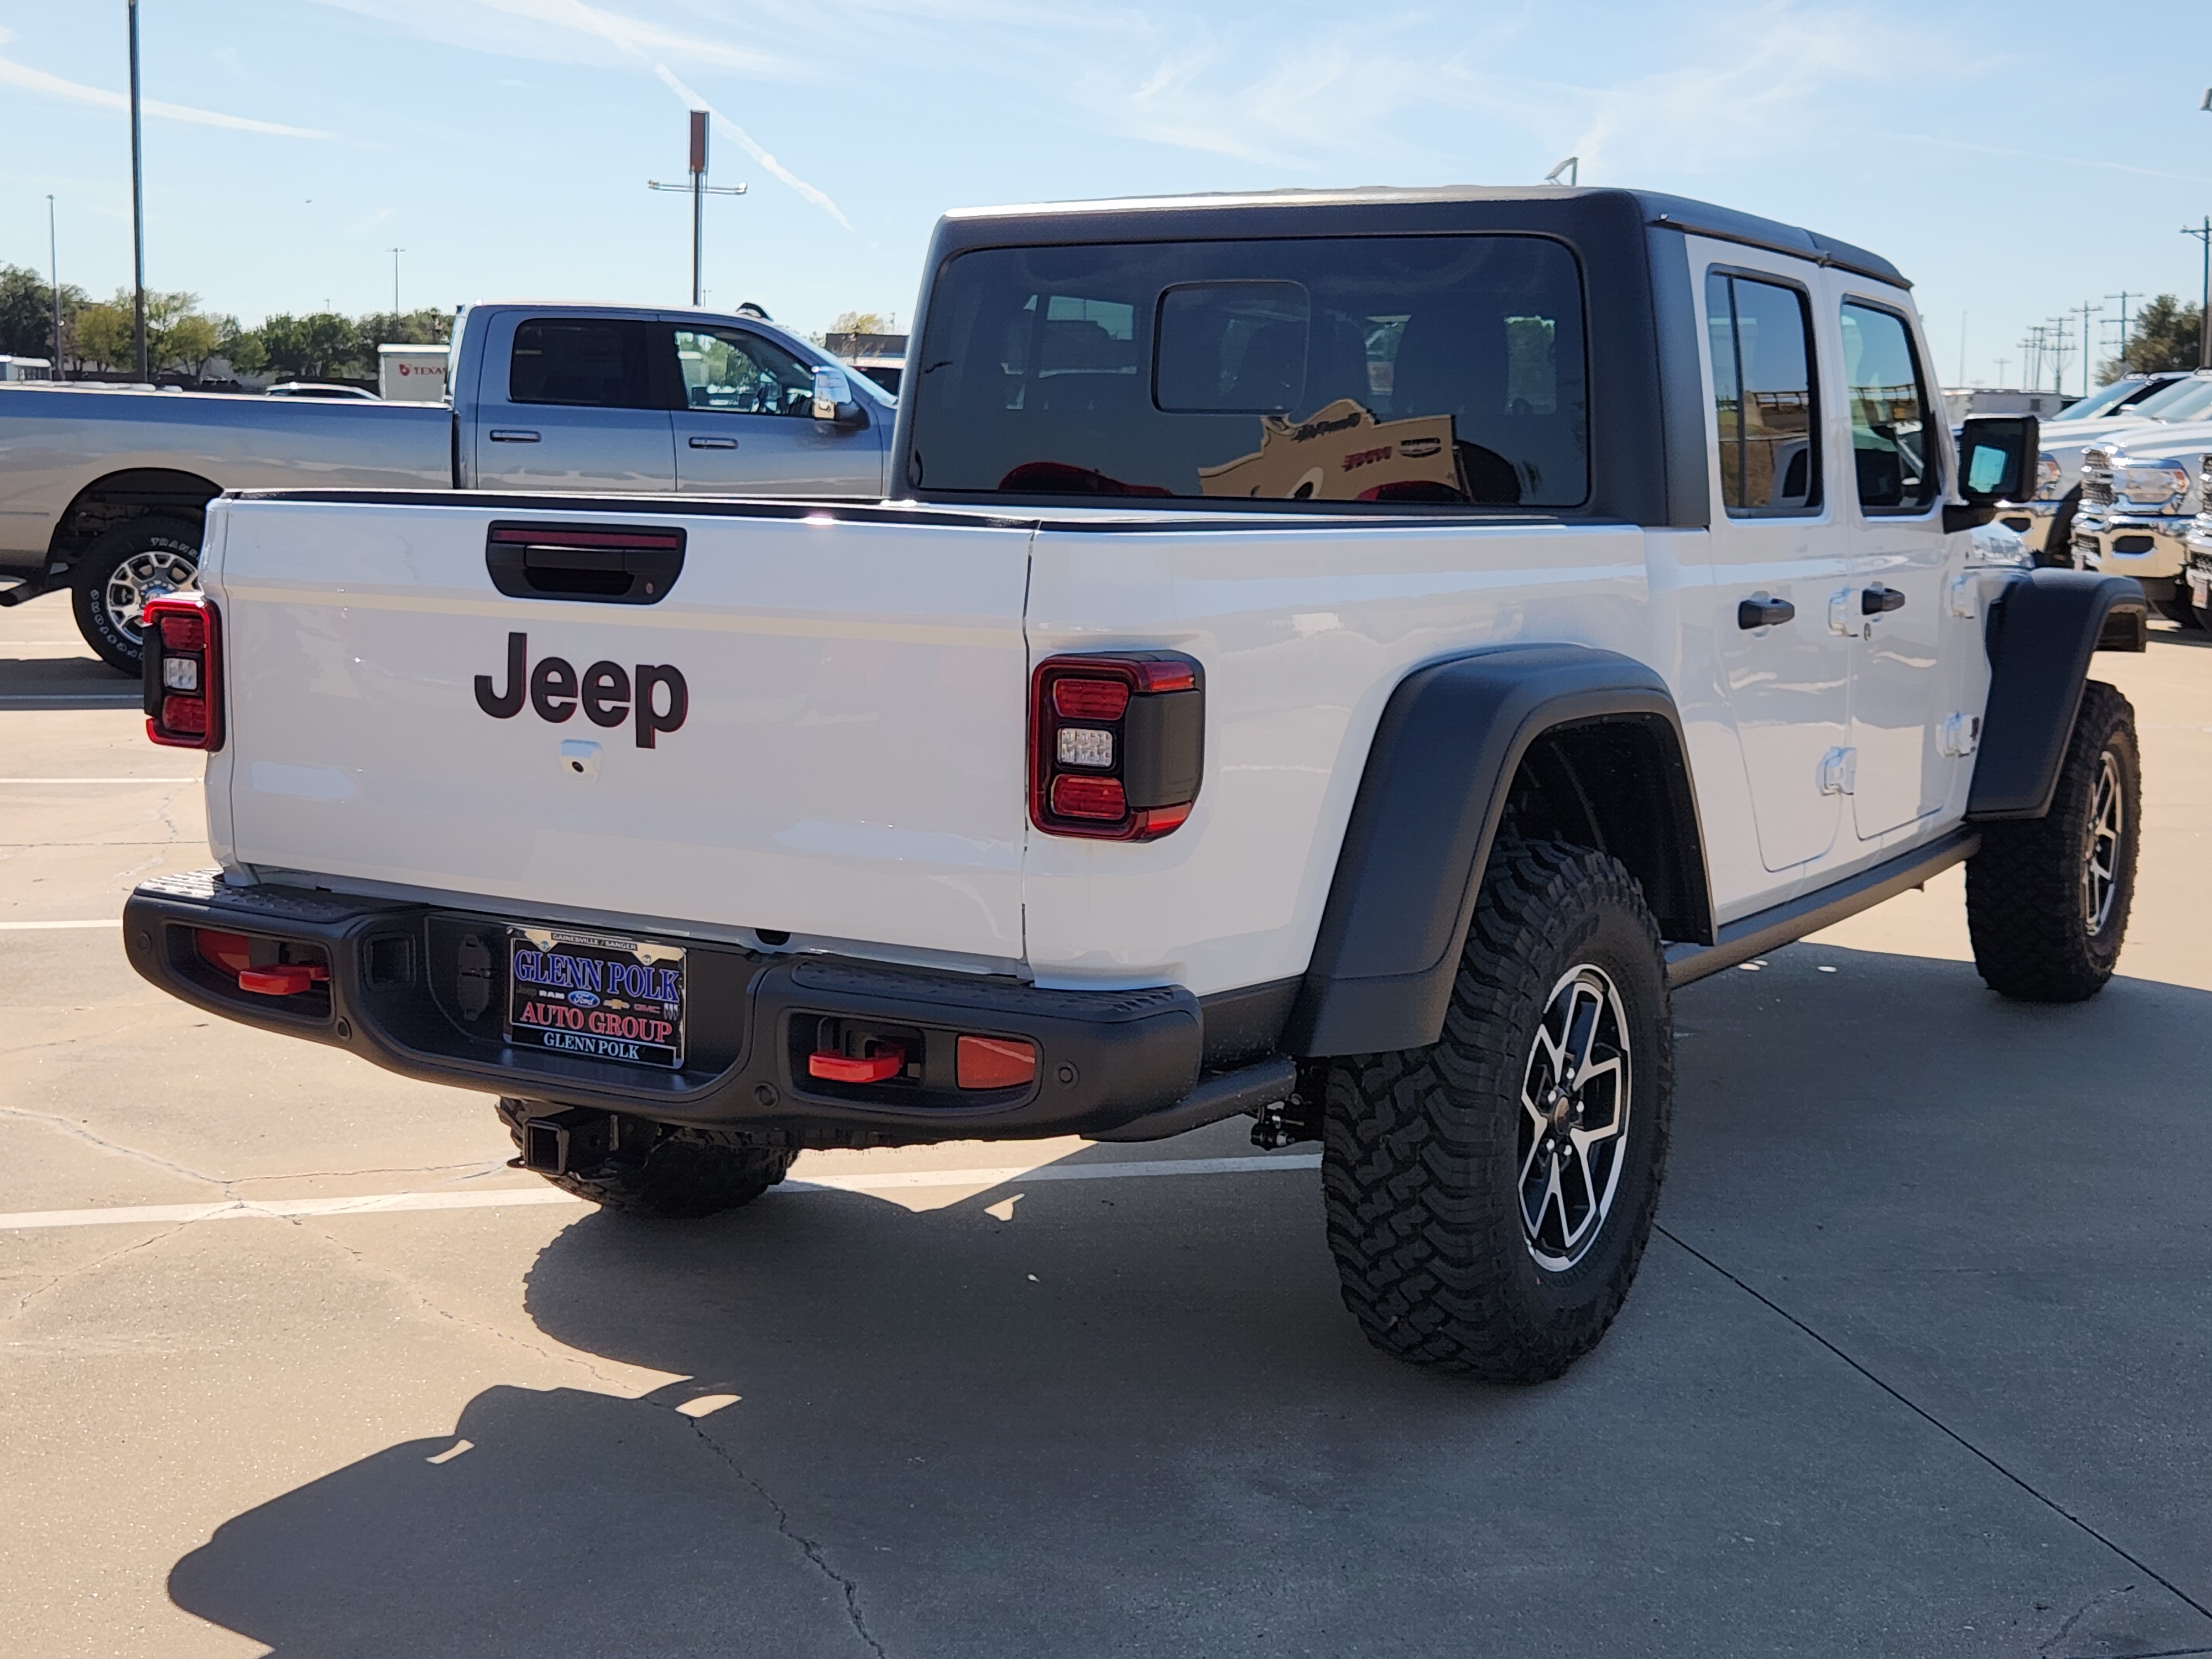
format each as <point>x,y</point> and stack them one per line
<point>1997,463</point>
<point>834,400</point>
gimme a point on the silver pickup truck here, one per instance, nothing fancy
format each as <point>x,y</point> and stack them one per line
<point>102,491</point>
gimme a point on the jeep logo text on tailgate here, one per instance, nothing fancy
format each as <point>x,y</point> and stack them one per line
<point>607,692</point>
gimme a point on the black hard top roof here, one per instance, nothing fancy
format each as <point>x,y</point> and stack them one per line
<point>1061,220</point>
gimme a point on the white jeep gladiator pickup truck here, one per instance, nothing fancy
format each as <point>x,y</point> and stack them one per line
<point>1343,658</point>
<point>103,489</point>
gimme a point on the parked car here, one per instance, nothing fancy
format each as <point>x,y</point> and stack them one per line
<point>2046,519</point>
<point>1344,658</point>
<point>2197,574</point>
<point>317,389</point>
<point>2139,500</point>
<point>103,491</point>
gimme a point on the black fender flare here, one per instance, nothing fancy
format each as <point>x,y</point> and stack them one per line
<point>1431,797</point>
<point>2042,631</point>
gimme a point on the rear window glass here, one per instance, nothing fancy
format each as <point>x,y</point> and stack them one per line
<point>1380,369</point>
<point>601,363</point>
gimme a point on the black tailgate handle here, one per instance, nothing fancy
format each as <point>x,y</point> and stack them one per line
<point>584,562</point>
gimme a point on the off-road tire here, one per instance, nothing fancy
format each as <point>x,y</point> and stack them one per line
<point>683,1174</point>
<point>2026,911</point>
<point>1421,1167</point>
<point>171,543</point>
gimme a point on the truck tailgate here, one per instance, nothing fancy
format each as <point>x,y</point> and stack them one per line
<point>833,746</point>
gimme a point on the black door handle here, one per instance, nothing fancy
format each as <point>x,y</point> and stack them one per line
<point>591,563</point>
<point>1763,610</point>
<point>1874,600</point>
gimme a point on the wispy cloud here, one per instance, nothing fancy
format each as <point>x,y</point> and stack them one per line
<point>2054,161</point>
<point>13,74</point>
<point>693,100</point>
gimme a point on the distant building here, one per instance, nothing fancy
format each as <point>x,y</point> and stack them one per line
<point>2002,400</point>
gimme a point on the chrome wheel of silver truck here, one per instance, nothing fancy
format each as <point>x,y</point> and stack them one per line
<point>118,573</point>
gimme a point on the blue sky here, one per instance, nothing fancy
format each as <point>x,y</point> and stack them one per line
<point>2011,159</point>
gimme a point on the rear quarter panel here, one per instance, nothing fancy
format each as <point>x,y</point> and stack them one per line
<point>1304,632</point>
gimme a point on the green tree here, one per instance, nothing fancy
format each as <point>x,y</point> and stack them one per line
<point>105,334</point>
<point>26,312</point>
<point>189,342</point>
<point>313,347</point>
<point>2165,336</point>
<point>241,347</point>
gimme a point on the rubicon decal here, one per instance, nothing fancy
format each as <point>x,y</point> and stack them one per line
<point>652,695</point>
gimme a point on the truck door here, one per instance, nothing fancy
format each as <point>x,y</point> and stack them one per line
<point>1897,606</point>
<point>1780,550</point>
<point>745,426</point>
<point>576,404</point>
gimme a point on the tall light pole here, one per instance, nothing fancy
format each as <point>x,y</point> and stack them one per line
<point>54,267</point>
<point>395,252</point>
<point>2204,234</point>
<point>700,190</point>
<point>137,207</point>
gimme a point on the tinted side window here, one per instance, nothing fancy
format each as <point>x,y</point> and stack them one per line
<point>1892,430</point>
<point>1766,403</point>
<point>1376,369</point>
<point>601,362</point>
<point>744,374</point>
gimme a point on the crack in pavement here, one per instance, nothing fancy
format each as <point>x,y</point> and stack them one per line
<point>79,1132</point>
<point>82,1268</point>
<point>569,1356</point>
<point>1941,1427</point>
<point>807,1547</point>
<point>2042,1649</point>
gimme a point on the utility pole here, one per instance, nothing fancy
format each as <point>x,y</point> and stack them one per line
<point>2003,363</point>
<point>137,207</point>
<point>54,266</point>
<point>2060,345</point>
<point>2085,308</point>
<point>2123,296</point>
<point>2204,234</point>
<point>700,190</point>
<point>395,252</point>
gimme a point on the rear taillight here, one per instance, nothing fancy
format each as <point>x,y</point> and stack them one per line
<point>1116,743</point>
<point>183,637</point>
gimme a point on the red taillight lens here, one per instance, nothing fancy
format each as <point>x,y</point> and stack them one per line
<point>1116,745</point>
<point>1089,798</point>
<point>1090,700</point>
<point>982,1062</point>
<point>182,638</point>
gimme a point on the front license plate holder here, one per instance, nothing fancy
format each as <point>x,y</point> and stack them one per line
<point>596,996</point>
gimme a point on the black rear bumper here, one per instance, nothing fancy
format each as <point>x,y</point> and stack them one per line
<point>418,989</point>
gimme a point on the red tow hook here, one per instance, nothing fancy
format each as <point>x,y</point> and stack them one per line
<point>286,981</point>
<point>888,1061</point>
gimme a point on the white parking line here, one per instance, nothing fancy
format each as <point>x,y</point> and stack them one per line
<point>280,1209</point>
<point>55,926</point>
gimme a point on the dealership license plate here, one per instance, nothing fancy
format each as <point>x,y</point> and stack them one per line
<point>593,995</point>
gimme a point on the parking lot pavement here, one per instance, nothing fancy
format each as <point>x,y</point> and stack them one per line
<point>293,1363</point>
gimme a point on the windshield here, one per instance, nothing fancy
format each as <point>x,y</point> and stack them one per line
<point>2182,400</point>
<point>2105,400</point>
<point>1377,369</point>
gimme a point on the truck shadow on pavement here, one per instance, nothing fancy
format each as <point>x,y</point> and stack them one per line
<point>1133,1419</point>
<point>72,682</point>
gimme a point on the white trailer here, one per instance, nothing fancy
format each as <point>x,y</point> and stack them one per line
<point>412,374</point>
